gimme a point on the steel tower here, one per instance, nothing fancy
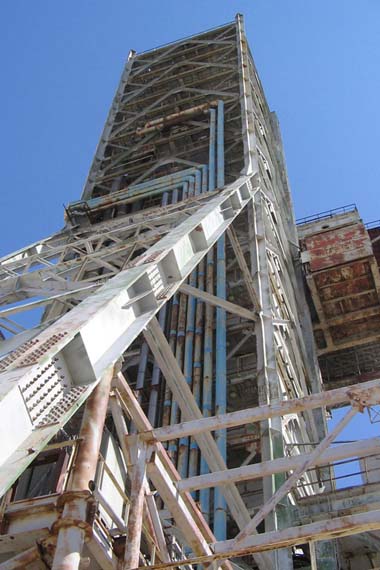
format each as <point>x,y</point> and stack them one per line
<point>166,407</point>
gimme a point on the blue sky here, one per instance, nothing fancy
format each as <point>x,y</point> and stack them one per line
<point>61,61</point>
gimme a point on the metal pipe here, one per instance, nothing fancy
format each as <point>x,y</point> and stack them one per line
<point>220,146</point>
<point>179,353</point>
<point>185,190</point>
<point>220,514</point>
<point>154,186</point>
<point>211,158</point>
<point>172,343</point>
<point>174,118</point>
<point>204,178</point>
<point>207,410</point>
<point>188,369</point>
<point>141,372</point>
<point>71,536</point>
<point>168,399</point>
<point>201,186</point>
<point>156,373</point>
<point>197,365</point>
<point>198,183</point>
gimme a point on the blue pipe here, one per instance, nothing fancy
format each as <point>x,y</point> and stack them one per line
<point>220,514</point>
<point>168,400</point>
<point>197,366</point>
<point>188,369</point>
<point>198,183</point>
<point>185,191</point>
<point>138,189</point>
<point>204,179</point>
<point>220,146</point>
<point>155,381</point>
<point>170,405</point>
<point>211,158</point>
<point>198,341</point>
<point>204,494</point>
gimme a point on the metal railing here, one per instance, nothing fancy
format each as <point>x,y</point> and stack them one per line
<point>327,214</point>
<point>372,225</point>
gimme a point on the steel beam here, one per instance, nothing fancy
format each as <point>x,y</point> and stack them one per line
<point>189,408</point>
<point>366,392</point>
<point>362,448</point>
<point>217,302</point>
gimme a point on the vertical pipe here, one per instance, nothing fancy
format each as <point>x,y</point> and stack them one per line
<point>179,353</point>
<point>191,187</point>
<point>168,399</point>
<point>220,514</point>
<point>170,406</point>
<point>198,183</point>
<point>155,382</point>
<point>204,178</point>
<point>141,372</point>
<point>188,368</point>
<point>197,360</point>
<point>204,495</point>
<point>186,190</point>
<point>184,443</point>
<point>197,366</point>
<point>71,537</point>
<point>211,158</point>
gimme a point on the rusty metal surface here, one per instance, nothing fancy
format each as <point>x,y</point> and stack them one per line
<point>338,246</point>
<point>343,278</point>
<point>75,524</point>
<point>21,560</point>
<point>374,234</point>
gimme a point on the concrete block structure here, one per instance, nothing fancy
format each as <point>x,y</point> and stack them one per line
<point>167,405</point>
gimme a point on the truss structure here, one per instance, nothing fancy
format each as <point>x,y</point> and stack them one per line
<point>164,405</point>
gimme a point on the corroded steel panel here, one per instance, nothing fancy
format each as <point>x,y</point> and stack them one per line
<point>338,246</point>
<point>374,235</point>
<point>343,278</point>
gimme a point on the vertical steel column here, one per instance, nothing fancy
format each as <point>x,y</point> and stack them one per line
<point>207,410</point>
<point>220,514</point>
<point>267,376</point>
<point>70,536</point>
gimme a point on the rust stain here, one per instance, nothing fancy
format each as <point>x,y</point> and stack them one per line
<point>338,246</point>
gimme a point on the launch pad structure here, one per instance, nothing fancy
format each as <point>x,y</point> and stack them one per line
<point>167,407</point>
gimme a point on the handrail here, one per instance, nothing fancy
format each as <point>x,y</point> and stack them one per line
<point>372,225</point>
<point>327,214</point>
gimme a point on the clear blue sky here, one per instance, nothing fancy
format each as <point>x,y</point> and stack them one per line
<point>61,61</point>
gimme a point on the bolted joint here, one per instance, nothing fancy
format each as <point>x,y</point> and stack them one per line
<point>361,399</point>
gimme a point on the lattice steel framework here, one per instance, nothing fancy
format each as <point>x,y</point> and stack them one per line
<point>172,304</point>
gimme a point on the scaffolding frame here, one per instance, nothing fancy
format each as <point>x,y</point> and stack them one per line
<point>106,280</point>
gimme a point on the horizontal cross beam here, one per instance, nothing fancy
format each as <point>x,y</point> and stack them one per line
<point>362,448</point>
<point>365,391</point>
